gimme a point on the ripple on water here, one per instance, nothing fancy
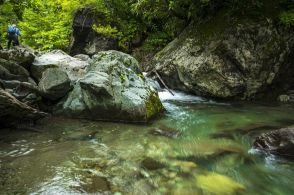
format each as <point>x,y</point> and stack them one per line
<point>19,148</point>
<point>93,157</point>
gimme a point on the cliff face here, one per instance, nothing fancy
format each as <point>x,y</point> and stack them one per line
<point>233,59</point>
<point>84,39</point>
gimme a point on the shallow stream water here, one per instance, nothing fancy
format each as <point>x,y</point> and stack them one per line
<point>206,150</point>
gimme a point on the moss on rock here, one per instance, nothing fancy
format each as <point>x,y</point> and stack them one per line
<point>153,106</point>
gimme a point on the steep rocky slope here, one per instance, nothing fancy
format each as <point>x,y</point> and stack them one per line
<point>227,58</point>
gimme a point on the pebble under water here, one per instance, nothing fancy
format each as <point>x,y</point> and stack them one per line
<point>197,147</point>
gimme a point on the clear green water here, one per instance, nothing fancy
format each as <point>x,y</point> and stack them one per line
<point>211,155</point>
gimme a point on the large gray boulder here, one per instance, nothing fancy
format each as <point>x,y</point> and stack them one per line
<point>54,83</point>
<point>58,59</point>
<point>22,55</point>
<point>112,89</point>
<point>229,59</point>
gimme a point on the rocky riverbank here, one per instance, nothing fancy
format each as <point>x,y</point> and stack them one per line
<point>109,86</point>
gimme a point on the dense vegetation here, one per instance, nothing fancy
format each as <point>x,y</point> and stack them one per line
<point>46,24</point>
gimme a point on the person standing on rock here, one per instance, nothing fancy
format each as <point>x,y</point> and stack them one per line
<point>12,35</point>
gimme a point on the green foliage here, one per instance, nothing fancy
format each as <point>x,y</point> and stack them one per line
<point>106,30</point>
<point>156,41</point>
<point>46,24</point>
<point>287,18</point>
<point>7,17</point>
<point>43,28</point>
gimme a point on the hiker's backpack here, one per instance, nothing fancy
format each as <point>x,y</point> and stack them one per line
<point>11,29</point>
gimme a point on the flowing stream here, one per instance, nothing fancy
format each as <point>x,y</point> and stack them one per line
<point>205,149</point>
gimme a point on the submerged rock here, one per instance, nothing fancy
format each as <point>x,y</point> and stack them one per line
<point>94,184</point>
<point>249,129</point>
<point>112,89</point>
<point>279,142</point>
<point>151,164</point>
<point>165,131</point>
<point>214,183</point>
<point>54,83</point>
<point>229,60</point>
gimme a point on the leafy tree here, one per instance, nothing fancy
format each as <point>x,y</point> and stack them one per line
<point>7,16</point>
<point>46,24</point>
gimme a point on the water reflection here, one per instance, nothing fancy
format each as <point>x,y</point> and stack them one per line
<point>198,147</point>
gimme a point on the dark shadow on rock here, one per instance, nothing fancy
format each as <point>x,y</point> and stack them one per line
<point>152,164</point>
<point>84,39</point>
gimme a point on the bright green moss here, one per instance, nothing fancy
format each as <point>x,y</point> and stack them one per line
<point>153,106</point>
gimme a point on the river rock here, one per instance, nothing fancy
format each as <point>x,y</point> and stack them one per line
<point>22,55</point>
<point>234,59</point>
<point>54,83</point>
<point>279,142</point>
<point>13,110</point>
<point>84,39</point>
<point>152,164</point>
<point>94,184</point>
<point>73,66</point>
<point>112,89</point>
<point>165,131</point>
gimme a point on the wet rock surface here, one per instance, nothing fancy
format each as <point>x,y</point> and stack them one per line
<point>279,142</point>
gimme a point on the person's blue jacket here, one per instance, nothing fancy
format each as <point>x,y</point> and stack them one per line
<point>17,32</point>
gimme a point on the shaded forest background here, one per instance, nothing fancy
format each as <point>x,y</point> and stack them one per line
<point>47,24</point>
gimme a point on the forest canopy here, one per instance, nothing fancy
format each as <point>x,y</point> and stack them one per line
<point>47,24</point>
